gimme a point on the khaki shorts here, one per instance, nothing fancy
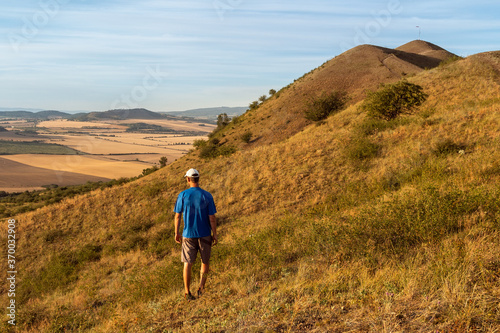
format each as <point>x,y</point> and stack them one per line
<point>191,246</point>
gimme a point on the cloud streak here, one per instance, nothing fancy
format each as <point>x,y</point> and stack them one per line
<point>77,54</point>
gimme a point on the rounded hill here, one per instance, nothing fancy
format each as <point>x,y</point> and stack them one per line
<point>353,72</point>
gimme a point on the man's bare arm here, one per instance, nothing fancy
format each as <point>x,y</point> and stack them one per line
<point>177,225</point>
<point>213,224</point>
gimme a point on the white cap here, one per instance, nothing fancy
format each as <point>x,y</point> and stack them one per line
<point>192,173</point>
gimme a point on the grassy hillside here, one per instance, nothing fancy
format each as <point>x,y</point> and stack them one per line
<point>351,224</point>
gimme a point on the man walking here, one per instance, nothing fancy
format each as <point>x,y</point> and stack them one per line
<point>197,208</point>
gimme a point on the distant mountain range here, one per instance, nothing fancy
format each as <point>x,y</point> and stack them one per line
<point>122,114</point>
<point>34,115</point>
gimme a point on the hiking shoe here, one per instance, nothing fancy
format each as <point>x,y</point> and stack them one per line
<point>200,292</point>
<point>189,297</point>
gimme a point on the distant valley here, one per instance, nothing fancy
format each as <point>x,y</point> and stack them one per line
<point>54,148</point>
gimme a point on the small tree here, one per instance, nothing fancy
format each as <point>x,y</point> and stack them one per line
<point>222,120</point>
<point>263,98</point>
<point>163,161</point>
<point>272,92</point>
<point>325,105</point>
<point>394,99</point>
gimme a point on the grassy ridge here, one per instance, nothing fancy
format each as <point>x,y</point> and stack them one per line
<point>18,147</point>
<point>349,225</point>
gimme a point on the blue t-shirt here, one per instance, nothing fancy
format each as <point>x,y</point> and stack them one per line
<point>196,205</point>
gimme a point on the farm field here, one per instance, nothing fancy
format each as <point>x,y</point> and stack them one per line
<point>20,177</point>
<point>65,152</point>
<point>178,125</point>
<point>82,164</point>
<point>69,124</point>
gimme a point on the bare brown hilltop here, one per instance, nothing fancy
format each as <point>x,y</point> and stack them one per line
<point>426,49</point>
<point>355,72</point>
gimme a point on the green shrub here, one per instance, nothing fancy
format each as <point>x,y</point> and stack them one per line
<point>148,171</point>
<point>226,150</point>
<point>199,143</point>
<point>237,119</point>
<point>393,100</point>
<point>208,151</point>
<point>246,137</point>
<point>254,105</point>
<point>214,149</point>
<point>325,105</point>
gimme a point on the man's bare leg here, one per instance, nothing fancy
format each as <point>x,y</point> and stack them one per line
<point>203,276</point>
<point>187,276</point>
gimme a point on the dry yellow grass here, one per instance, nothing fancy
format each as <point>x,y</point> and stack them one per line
<point>305,231</point>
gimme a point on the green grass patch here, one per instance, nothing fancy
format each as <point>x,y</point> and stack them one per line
<point>372,126</point>
<point>362,149</point>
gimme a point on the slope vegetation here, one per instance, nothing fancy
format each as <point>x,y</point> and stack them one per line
<point>352,224</point>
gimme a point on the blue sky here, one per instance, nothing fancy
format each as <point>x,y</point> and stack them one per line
<point>177,55</point>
